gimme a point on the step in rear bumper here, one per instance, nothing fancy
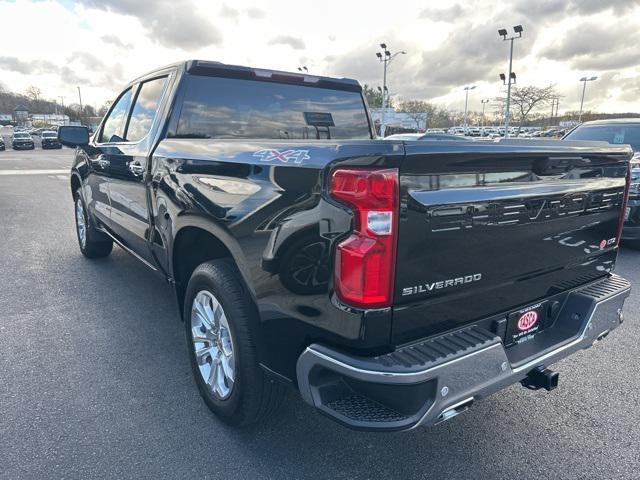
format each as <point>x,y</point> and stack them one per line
<point>429,381</point>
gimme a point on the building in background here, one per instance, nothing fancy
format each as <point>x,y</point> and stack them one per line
<point>54,119</point>
<point>21,116</point>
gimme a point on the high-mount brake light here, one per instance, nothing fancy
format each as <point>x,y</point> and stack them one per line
<point>365,261</point>
<point>285,76</point>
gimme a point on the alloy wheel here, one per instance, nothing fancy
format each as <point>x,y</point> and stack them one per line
<point>212,344</point>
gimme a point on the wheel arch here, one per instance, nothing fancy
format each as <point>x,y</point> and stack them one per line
<point>196,242</point>
<point>75,182</point>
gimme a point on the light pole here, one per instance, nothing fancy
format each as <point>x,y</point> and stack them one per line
<point>303,69</point>
<point>466,101</point>
<point>554,104</point>
<point>62,103</point>
<point>80,98</point>
<point>584,81</point>
<point>503,33</point>
<point>385,57</point>
<point>484,102</point>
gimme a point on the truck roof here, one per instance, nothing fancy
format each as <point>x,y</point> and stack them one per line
<point>612,121</point>
<point>219,69</point>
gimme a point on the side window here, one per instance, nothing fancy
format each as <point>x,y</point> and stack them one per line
<point>114,123</point>
<point>144,110</point>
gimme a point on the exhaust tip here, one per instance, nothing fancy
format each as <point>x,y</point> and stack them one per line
<point>454,410</point>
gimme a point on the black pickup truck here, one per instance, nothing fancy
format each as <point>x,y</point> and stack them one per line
<point>392,283</point>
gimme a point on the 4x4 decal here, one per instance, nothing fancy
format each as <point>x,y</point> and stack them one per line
<point>286,156</point>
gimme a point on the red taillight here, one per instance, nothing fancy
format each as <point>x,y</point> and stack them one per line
<point>365,261</point>
<point>625,198</point>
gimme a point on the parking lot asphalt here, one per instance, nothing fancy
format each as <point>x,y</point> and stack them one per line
<point>95,380</point>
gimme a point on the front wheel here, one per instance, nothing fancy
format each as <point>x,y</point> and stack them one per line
<point>218,317</point>
<point>92,243</point>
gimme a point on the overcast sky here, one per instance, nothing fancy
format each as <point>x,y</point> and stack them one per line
<point>102,44</point>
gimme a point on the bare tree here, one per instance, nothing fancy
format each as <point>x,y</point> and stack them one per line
<point>102,111</point>
<point>526,99</point>
<point>373,96</point>
<point>419,111</point>
<point>33,93</point>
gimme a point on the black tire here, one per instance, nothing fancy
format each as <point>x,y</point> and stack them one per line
<point>253,395</point>
<point>97,244</point>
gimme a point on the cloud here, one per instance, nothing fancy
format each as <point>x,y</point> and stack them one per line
<point>28,67</point>
<point>228,12</point>
<point>293,42</point>
<point>587,7</point>
<point>110,76</point>
<point>256,13</point>
<point>470,54</point>
<point>541,10</point>
<point>115,40</point>
<point>172,23</point>
<point>593,46</point>
<point>449,14</point>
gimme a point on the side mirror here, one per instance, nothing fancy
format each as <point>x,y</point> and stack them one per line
<point>72,136</point>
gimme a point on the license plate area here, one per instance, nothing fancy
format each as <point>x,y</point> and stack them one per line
<point>524,324</point>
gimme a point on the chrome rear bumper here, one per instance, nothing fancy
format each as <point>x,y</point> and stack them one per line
<point>435,379</point>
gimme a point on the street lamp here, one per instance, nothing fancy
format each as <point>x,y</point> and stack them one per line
<point>504,78</point>
<point>385,57</point>
<point>503,33</point>
<point>484,102</point>
<point>80,99</point>
<point>303,69</point>
<point>554,104</point>
<point>584,81</point>
<point>62,103</point>
<point>466,101</point>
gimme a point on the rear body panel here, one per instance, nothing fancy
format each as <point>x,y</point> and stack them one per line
<point>272,214</point>
<point>486,228</point>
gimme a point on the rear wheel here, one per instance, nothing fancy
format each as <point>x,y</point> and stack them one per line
<point>92,243</point>
<point>218,315</point>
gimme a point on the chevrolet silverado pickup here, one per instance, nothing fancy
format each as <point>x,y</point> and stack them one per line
<point>391,283</point>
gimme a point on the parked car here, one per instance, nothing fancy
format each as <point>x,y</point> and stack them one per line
<point>619,131</point>
<point>22,141</point>
<point>50,140</point>
<point>392,284</point>
<point>426,136</point>
<point>2,145</point>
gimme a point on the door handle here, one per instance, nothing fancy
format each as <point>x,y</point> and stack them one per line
<point>136,168</point>
<point>102,161</point>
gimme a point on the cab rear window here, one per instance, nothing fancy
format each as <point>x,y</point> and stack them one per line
<point>227,108</point>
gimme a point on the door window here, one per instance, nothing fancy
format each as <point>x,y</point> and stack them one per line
<point>145,108</point>
<point>114,124</point>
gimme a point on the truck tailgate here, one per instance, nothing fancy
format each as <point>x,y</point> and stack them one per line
<point>486,227</point>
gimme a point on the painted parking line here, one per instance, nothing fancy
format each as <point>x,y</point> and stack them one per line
<point>33,172</point>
